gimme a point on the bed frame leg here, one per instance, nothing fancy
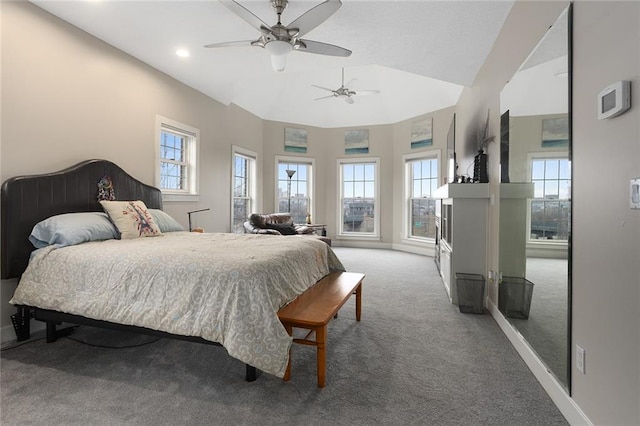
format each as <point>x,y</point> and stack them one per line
<point>22,323</point>
<point>51,332</point>
<point>251,373</point>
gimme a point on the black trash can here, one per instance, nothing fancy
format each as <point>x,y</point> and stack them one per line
<point>470,293</point>
<point>514,297</point>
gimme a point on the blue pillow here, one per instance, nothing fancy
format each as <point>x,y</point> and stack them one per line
<point>165,222</point>
<point>72,228</point>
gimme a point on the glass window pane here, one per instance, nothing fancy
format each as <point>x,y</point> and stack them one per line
<point>347,172</point>
<point>551,189</point>
<point>302,172</point>
<point>537,169</point>
<point>538,189</point>
<point>551,169</point>
<point>348,190</point>
<point>565,169</point>
<point>417,189</point>
<point>565,190</point>
<point>370,171</point>
<point>417,169</point>
<point>369,190</point>
<point>358,171</point>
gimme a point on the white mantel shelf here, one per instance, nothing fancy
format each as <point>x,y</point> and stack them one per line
<point>463,190</point>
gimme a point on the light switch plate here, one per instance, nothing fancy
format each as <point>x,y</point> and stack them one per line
<point>634,193</point>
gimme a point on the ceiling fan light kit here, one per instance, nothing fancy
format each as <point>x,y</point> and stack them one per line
<point>279,39</point>
<point>279,51</point>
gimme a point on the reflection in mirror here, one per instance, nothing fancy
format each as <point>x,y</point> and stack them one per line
<point>535,199</point>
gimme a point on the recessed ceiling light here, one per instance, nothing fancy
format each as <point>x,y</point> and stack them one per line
<point>183,53</point>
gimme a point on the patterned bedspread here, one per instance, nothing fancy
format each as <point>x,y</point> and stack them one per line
<point>225,288</point>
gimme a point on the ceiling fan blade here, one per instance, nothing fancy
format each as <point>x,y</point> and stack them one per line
<point>349,100</point>
<point>242,43</point>
<point>323,88</point>
<point>320,48</point>
<point>366,92</point>
<point>324,97</point>
<point>245,14</point>
<point>315,16</point>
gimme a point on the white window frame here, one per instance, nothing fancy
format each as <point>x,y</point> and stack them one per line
<point>192,160</point>
<point>341,234</point>
<point>407,159</point>
<point>551,155</point>
<point>251,178</point>
<point>311,162</point>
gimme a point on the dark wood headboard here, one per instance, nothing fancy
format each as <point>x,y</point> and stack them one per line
<point>26,200</point>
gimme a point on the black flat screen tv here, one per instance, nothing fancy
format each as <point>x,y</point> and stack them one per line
<point>452,174</point>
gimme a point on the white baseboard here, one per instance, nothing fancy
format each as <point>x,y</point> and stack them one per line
<point>410,248</point>
<point>360,244</point>
<point>567,406</point>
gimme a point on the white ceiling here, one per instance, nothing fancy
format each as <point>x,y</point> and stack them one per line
<point>418,54</point>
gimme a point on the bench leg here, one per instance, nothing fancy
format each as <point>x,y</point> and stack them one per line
<point>321,340</point>
<point>287,373</point>
<point>358,301</point>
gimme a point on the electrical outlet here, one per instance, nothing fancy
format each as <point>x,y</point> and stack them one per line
<point>580,359</point>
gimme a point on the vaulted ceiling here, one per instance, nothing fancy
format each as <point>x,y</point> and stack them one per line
<point>418,54</point>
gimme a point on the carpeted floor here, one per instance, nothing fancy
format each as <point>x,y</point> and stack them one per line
<point>414,359</point>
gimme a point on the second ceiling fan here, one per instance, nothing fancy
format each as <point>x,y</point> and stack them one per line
<point>280,39</point>
<point>343,92</point>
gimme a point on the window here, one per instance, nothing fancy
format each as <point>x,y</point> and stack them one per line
<point>550,210</point>
<point>294,187</point>
<point>177,158</point>
<point>243,188</point>
<point>358,198</point>
<point>422,181</point>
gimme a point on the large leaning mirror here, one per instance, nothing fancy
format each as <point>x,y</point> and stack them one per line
<point>535,199</point>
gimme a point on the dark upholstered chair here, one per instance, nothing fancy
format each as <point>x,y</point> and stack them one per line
<point>278,224</point>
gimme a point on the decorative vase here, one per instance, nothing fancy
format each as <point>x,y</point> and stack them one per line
<point>480,167</point>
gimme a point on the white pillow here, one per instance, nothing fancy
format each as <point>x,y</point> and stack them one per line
<point>165,222</point>
<point>72,228</point>
<point>132,218</point>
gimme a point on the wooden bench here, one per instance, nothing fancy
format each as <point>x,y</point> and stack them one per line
<point>313,310</point>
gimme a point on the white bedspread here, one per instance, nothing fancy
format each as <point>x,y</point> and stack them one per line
<point>225,288</point>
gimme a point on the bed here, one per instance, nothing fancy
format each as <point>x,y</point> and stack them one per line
<point>214,288</point>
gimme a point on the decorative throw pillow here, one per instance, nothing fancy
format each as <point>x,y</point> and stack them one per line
<point>132,218</point>
<point>283,228</point>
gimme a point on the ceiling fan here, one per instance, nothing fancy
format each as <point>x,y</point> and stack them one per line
<point>344,92</point>
<point>279,39</point>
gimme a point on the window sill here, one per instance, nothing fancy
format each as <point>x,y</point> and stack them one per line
<point>358,237</point>
<point>168,197</point>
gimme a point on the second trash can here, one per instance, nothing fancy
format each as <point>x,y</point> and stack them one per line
<point>514,297</point>
<point>470,293</point>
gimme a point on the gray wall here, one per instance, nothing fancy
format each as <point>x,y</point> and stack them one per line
<point>606,278</point>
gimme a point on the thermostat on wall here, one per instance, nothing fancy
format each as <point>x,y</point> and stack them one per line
<point>614,100</point>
